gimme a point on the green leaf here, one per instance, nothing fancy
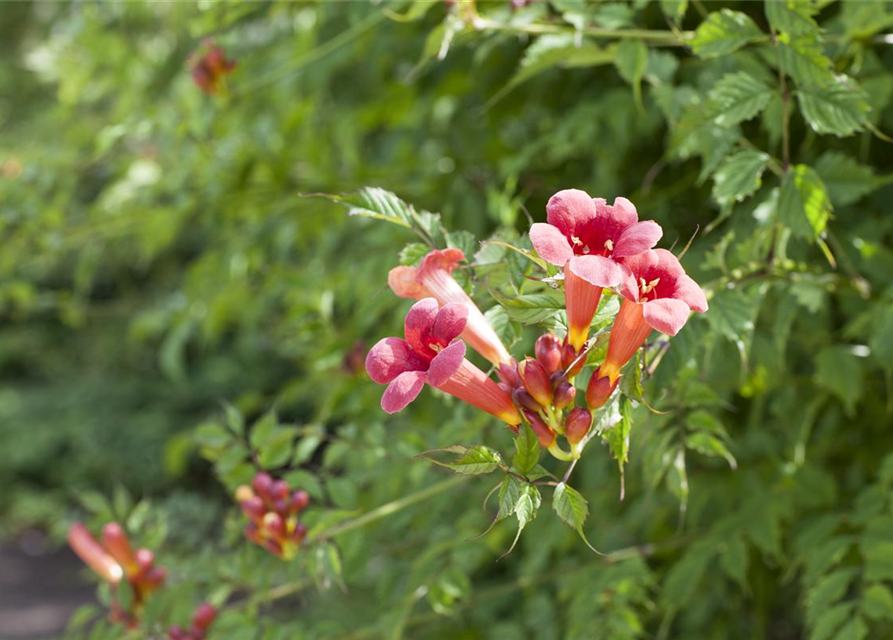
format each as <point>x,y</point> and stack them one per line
<point>738,97</point>
<point>827,592</point>
<point>380,204</point>
<point>674,9</point>
<point>524,252</point>
<point>475,461</point>
<point>528,450</point>
<point>277,449</point>
<point>631,59</point>
<point>617,437</point>
<point>739,176</point>
<point>792,16</point>
<point>735,560</point>
<point>840,108</point>
<point>802,58</point>
<point>830,620</point>
<point>532,308</point>
<point>573,509</point>
<point>684,577</point>
<point>840,371</point>
<point>525,509</point>
<point>878,560</point>
<point>507,330</point>
<point>803,203</point>
<point>877,602</point>
<point>412,254</point>
<point>724,32</point>
<point>263,429</point>
<point>711,446</point>
<point>509,492</point>
<point>853,629</point>
<point>847,181</point>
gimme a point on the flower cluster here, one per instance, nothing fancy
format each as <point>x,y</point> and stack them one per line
<point>209,67</point>
<point>202,619</point>
<point>273,509</point>
<point>113,560</point>
<point>596,246</point>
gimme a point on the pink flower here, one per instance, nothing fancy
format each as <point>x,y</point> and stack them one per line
<point>657,295</point>
<point>433,279</point>
<point>588,238</point>
<point>431,353</point>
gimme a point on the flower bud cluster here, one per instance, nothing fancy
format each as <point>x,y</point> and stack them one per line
<point>202,619</point>
<point>543,389</point>
<point>114,560</point>
<point>273,508</point>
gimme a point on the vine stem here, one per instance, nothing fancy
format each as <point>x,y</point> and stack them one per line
<point>656,36</point>
<point>386,509</point>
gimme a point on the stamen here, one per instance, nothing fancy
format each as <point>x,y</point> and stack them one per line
<point>576,240</point>
<point>609,245</point>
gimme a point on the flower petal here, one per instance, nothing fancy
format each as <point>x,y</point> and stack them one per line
<point>389,358</point>
<point>570,209</point>
<point>402,281</point>
<point>668,264</point>
<point>637,238</point>
<point>450,322</point>
<point>404,389</point>
<point>446,363</point>
<point>597,270</point>
<point>628,287</point>
<point>625,212</point>
<point>690,293</point>
<point>419,323</point>
<point>550,243</point>
<point>666,315</point>
<point>445,259</point>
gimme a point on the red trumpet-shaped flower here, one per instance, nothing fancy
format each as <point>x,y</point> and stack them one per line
<point>209,66</point>
<point>114,560</point>
<point>588,238</point>
<point>202,620</point>
<point>433,278</point>
<point>431,353</point>
<point>657,295</point>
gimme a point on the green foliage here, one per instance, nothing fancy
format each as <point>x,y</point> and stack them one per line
<point>179,309</point>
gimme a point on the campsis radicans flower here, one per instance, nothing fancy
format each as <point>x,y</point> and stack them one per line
<point>272,509</point>
<point>657,294</point>
<point>209,66</point>
<point>115,560</point>
<point>202,620</point>
<point>433,279</point>
<point>432,353</point>
<point>588,238</point>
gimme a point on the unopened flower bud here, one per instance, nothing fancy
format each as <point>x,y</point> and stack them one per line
<point>204,616</point>
<point>263,484</point>
<point>504,388</point>
<point>273,547</point>
<point>564,395</point>
<point>154,578</point>
<point>145,559</point>
<point>525,400</point>
<point>548,352</point>
<point>252,532</point>
<point>536,381</point>
<point>599,390</point>
<point>280,490</point>
<point>274,525</point>
<point>543,432</point>
<point>299,501</point>
<point>176,633</point>
<point>282,507</point>
<point>577,424</point>
<point>253,508</point>
<point>116,543</point>
<point>243,493</point>
<point>299,533</point>
<point>572,360</point>
<point>508,373</point>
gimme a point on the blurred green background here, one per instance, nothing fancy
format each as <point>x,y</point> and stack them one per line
<point>162,274</point>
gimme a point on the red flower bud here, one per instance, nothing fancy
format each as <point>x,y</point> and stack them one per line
<point>273,547</point>
<point>153,578</point>
<point>204,616</point>
<point>263,484</point>
<point>572,360</point>
<point>299,533</point>
<point>536,381</point>
<point>176,633</point>
<point>116,543</point>
<point>577,424</point>
<point>525,400</point>
<point>548,352</point>
<point>243,493</point>
<point>280,490</point>
<point>145,559</point>
<point>299,501</point>
<point>508,373</point>
<point>599,390</point>
<point>543,432</point>
<point>253,508</point>
<point>92,553</point>
<point>252,532</point>
<point>564,395</point>
<point>282,507</point>
<point>274,525</point>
